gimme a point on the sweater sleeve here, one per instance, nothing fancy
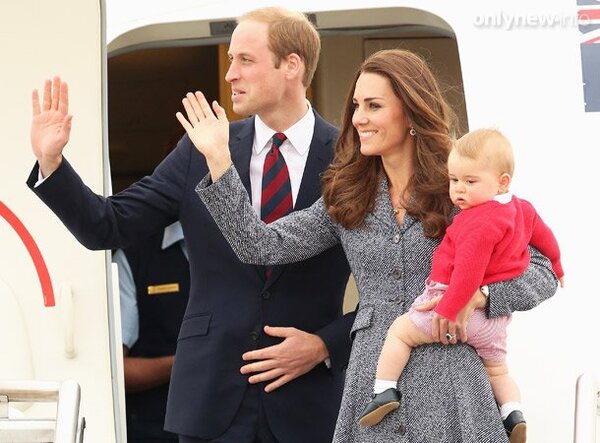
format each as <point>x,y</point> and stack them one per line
<point>543,239</point>
<point>474,244</point>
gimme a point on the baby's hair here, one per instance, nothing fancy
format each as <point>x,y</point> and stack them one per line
<point>490,143</point>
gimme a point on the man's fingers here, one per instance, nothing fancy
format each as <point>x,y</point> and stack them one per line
<point>35,102</point>
<point>266,376</point>
<point>186,125</point>
<point>258,366</point>
<point>204,106</point>
<point>219,111</point>
<point>55,93</point>
<point>193,99</point>
<point>189,110</point>
<point>47,95</point>
<point>278,383</point>
<point>63,105</point>
<point>260,354</point>
<point>192,116</point>
<point>279,331</point>
<point>67,124</point>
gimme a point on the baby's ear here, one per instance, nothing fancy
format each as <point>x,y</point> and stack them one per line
<point>504,183</point>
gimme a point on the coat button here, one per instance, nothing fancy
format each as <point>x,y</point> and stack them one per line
<point>397,274</point>
<point>397,238</point>
<point>401,430</point>
<point>266,295</point>
<point>254,335</point>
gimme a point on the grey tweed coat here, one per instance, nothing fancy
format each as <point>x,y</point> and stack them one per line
<point>446,396</point>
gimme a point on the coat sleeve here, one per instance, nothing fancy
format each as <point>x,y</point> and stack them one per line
<point>537,284</point>
<point>336,336</point>
<point>293,238</point>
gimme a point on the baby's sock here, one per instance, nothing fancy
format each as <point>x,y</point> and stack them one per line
<point>382,385</point>
<point>509,407</point>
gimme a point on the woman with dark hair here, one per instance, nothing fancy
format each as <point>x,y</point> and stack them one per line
<point>385,199</point>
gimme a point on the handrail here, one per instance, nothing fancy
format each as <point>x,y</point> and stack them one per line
<point>29,390</point>
<point>586,408</point>
<point>67,412</point>
<point>66,394</point>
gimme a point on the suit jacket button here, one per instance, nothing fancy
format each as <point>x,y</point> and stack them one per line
<point>397,274</point>
<point>254,335</point>
<point>397,238</point>
<point>401,430</point>
<point>266,295</point>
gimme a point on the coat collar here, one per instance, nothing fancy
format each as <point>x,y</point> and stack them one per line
<point>383,208</point>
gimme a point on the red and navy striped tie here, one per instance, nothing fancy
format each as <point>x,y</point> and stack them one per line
<point>276,198</point>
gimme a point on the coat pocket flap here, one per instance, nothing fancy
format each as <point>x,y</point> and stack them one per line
<point>193,326</point>
<point>362,320</point>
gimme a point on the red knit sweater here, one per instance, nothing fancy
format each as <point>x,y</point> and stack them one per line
<point>487,244</point>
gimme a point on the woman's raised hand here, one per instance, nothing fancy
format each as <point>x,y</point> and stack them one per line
<point>208,130</point>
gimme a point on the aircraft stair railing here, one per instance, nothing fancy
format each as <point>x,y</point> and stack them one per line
<point>587,392</point>
<point>64,428</point>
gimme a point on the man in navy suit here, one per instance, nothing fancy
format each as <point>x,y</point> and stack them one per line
<point>260,355</point>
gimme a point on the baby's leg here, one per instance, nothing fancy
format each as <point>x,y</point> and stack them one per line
<point>508,397</point>
<point>402,336</point>
<point>504,387</point>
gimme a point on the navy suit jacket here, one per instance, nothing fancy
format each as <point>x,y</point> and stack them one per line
<point>230,302</point>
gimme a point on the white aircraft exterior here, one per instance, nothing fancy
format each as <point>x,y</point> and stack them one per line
<point>531,69</point>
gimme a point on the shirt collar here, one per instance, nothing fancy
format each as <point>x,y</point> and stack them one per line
<point>299,134</point>
<point>173,234</point>
<point>504,198</point>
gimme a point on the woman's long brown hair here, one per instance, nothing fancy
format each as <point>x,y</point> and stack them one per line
<point>351,183</point>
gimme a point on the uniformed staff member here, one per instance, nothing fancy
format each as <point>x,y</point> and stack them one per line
<point>154,283</point>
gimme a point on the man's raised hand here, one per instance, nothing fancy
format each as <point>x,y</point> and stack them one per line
<point>51,125</point>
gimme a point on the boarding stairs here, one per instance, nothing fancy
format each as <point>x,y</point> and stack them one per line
<point>65,427</point>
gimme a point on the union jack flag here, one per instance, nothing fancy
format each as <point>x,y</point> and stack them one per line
<point>588,15</point>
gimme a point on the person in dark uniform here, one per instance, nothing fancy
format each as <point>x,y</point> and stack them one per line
<point>154,283</point>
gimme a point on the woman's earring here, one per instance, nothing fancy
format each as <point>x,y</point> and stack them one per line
<point>412,131</point>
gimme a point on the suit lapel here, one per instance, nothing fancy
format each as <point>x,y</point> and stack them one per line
<point>241,141</point>
<point>319,156</point>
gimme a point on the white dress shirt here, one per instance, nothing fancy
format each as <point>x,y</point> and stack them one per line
<point>294,150</point>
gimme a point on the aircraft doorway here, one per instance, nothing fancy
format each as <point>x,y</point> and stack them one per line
<point>145,86</point>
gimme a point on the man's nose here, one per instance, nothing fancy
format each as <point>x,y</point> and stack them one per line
<point>231,74</point>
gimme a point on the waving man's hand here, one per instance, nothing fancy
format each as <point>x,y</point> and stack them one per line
<point>51,125</point>
<point>208,130</point>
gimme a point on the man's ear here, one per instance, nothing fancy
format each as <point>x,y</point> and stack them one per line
<point>294,65</point>
<point>505,180</point>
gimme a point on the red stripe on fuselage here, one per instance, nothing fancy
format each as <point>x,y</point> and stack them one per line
<point>34,252</point>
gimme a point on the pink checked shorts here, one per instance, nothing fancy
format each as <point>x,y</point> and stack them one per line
<point>486,335</point>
